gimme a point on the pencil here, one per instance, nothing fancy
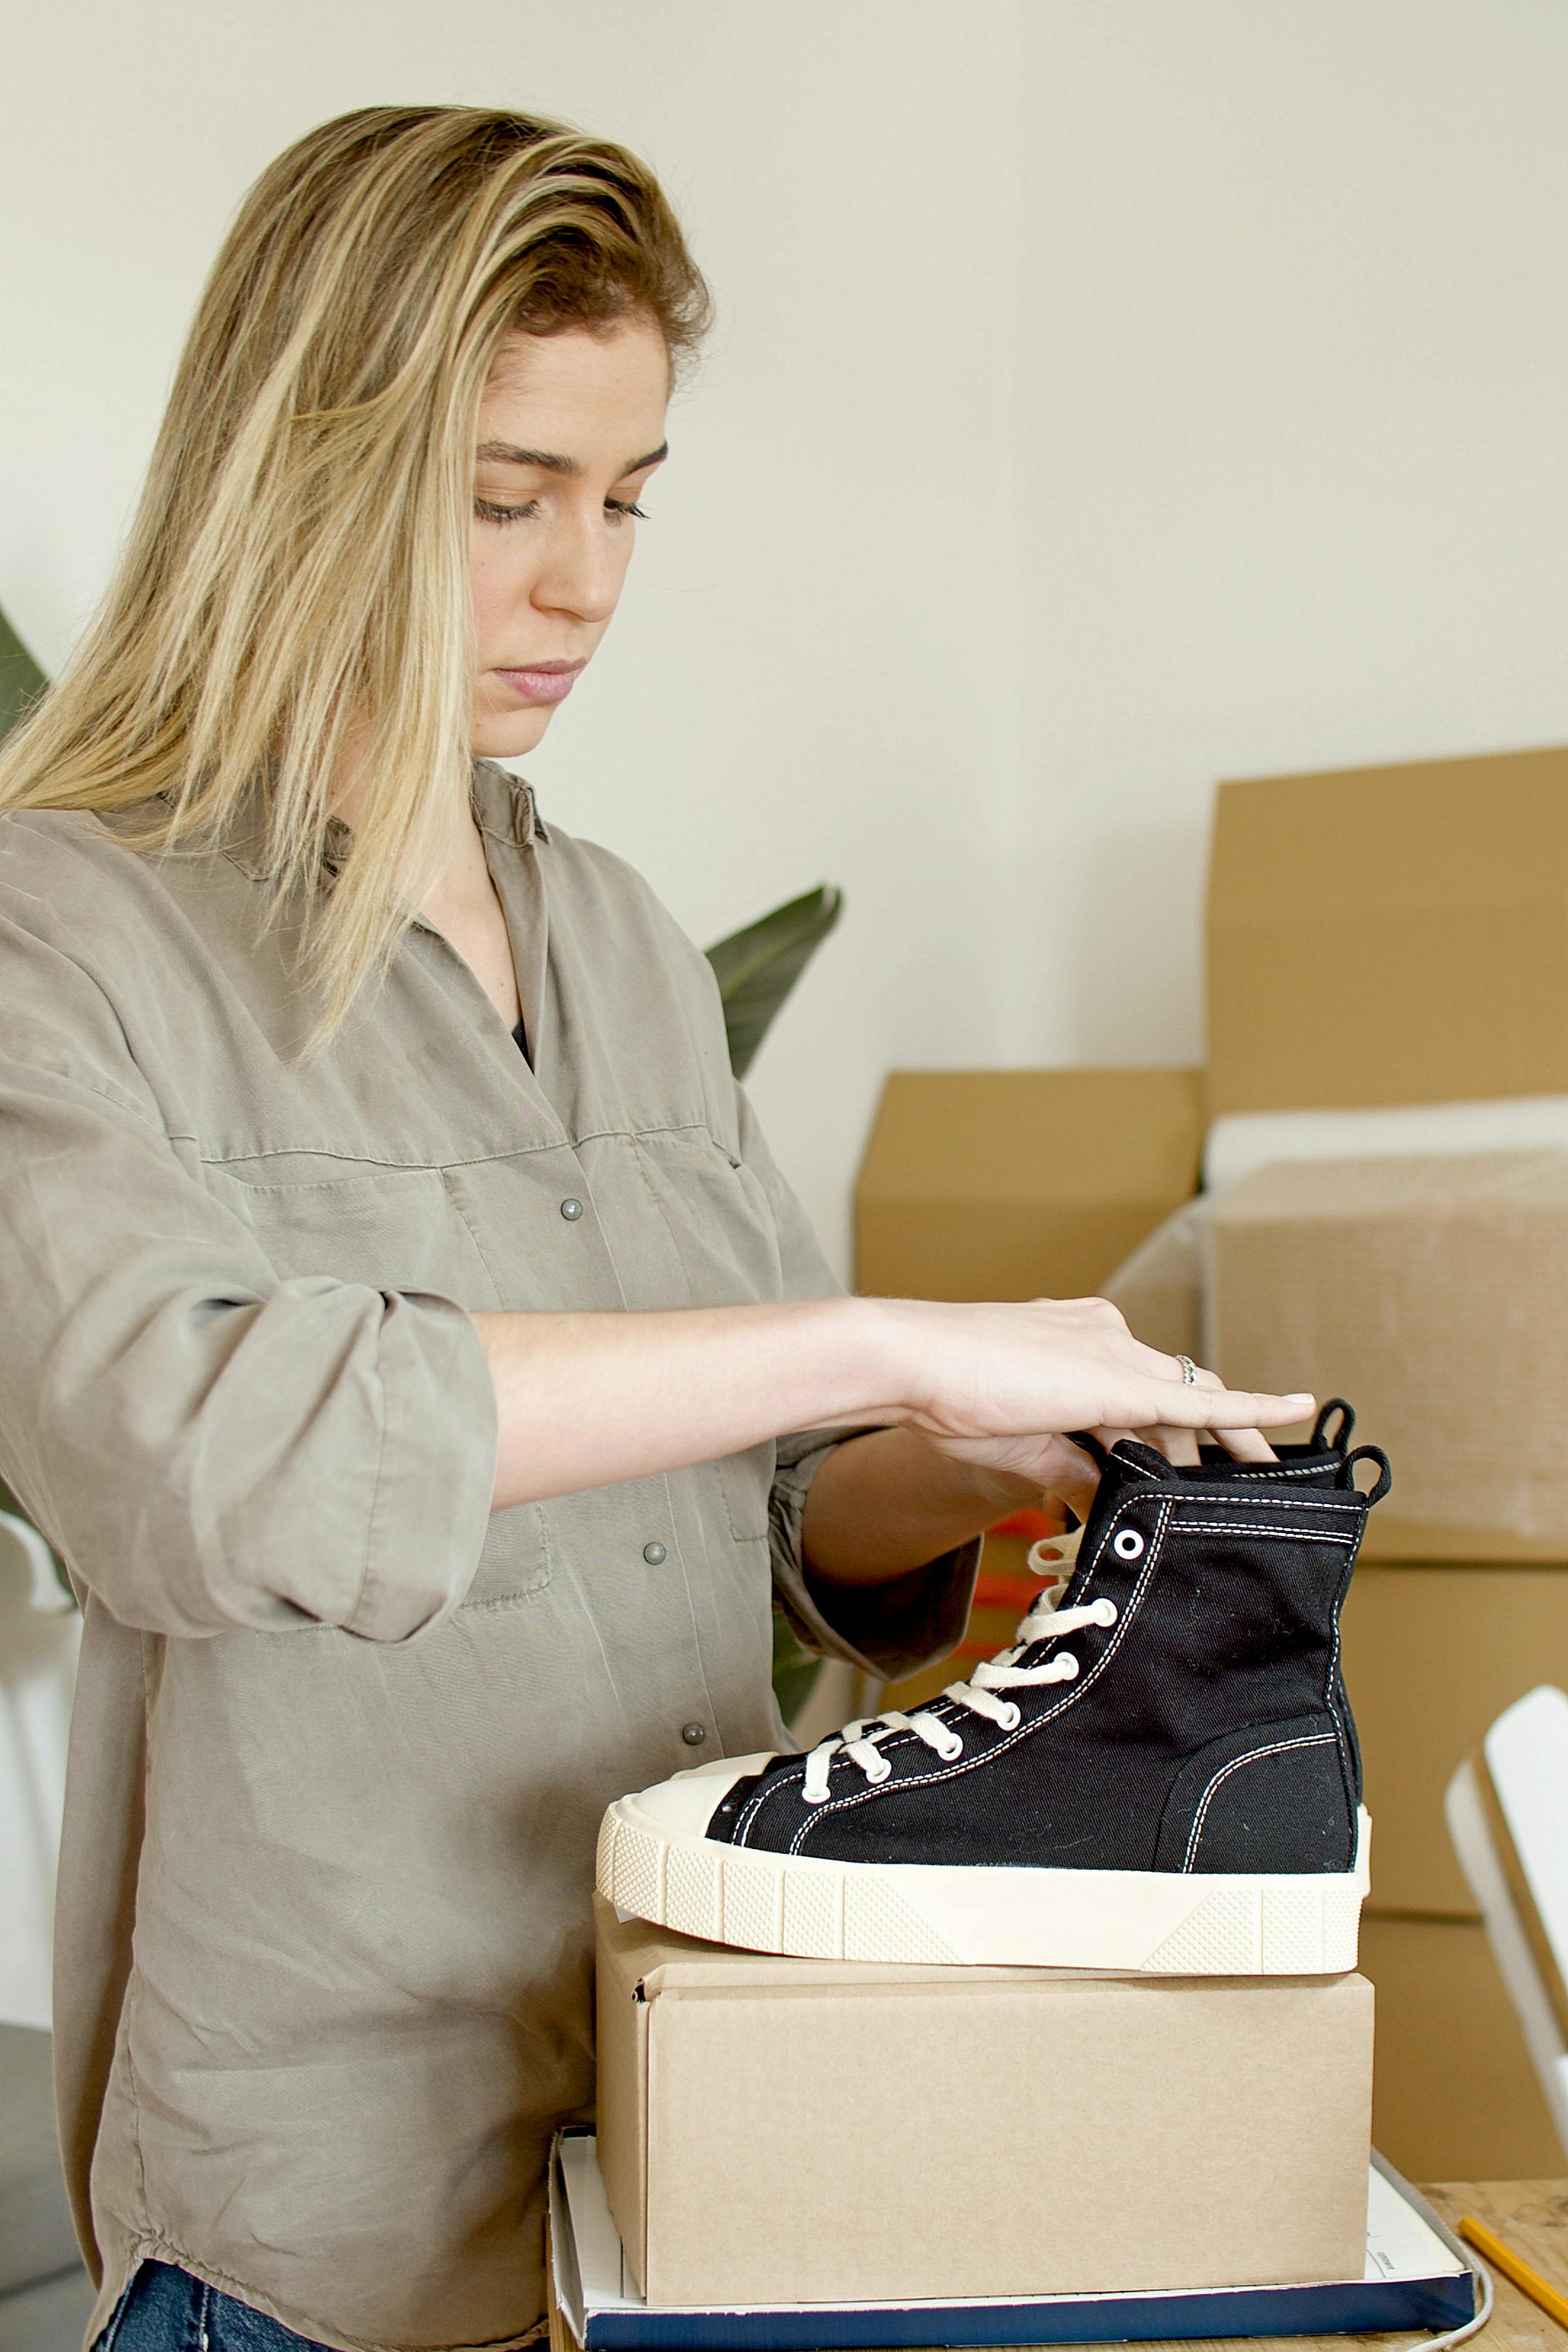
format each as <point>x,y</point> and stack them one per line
<point>1504,2259</point>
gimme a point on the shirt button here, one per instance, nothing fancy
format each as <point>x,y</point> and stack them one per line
<point>694,1734</point>
<point>655,1554</point>
<point>571,1211</point>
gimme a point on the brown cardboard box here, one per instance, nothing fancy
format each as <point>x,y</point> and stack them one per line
<point>1429,1291</point>
<point>1432,1656</point>
<point>1160,1288</point>
<point>756,2144</point>
<point>1019,1183</point>
<point>1390,935</point>
<point>1455,2097</point>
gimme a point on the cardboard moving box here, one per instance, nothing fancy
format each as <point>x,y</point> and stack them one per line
<point>1390,935</point>
<point>1456,2096</point>
<point>1020,1183</point>
<point>1430,1292</point>
<point>807,2130</point>
<point>1160,1288</point>
<point>1432,1656</point>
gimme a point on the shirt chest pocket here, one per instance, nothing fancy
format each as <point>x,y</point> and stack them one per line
<point>392,1229</point>
<point>397,1229</point>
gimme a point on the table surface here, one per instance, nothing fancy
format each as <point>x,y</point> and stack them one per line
<point>1530,2217</point>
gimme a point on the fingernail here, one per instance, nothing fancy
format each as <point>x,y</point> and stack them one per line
<point>1298,1396</point>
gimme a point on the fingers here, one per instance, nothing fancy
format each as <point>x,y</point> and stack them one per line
<point>1076,1491</point>
<point>1241,1444</point>
<point>1247,1445</point>
<point>1178,1445</point>
<point>1221,1409</point>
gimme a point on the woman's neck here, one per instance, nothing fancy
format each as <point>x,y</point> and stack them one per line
<point>461,904</point>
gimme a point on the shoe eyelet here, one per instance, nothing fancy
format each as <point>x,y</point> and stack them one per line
<point>807,1799</point>
<point>1011,1716</point>
<point>877,1777</point>
<point>1129,1545</point>
<point>1109,1613</point>
<point>952,1751</point>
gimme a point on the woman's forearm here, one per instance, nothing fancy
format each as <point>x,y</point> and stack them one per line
<point>886,1502</point>
<point>589,1400</point>
<point>585,1399</point>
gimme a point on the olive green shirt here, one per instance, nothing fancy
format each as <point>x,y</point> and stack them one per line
<point>342,1733</point>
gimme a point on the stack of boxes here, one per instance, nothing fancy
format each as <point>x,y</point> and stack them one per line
<point>1380,939</point>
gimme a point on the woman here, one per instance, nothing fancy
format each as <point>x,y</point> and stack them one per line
<point>408,1407</point>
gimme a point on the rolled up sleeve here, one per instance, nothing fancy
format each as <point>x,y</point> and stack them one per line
<point>903,1623</point>
<point>207,1444</point>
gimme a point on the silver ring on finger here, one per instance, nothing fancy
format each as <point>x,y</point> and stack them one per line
<point>1189,1372</point>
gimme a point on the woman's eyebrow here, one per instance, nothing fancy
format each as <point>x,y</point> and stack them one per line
<point>507,453</point>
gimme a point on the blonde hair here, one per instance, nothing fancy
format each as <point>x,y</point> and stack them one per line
<point>295,585</point>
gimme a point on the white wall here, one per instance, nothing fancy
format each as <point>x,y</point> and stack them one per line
<point>1110,395</point>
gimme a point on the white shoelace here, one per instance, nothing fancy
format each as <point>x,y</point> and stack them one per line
<point>860,1742</point>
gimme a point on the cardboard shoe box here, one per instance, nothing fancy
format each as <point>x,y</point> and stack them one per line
<point>1020,1183</point>
<point>1069,2133</point>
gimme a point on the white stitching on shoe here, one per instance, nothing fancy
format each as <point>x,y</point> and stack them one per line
<point>1253,1755</point>
<point>1240,1527</point>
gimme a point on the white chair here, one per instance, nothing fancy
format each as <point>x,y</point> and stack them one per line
<point>1507,1816</point>
<point>39,1635</point>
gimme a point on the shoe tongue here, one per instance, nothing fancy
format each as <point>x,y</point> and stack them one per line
<point>1127,1467</point>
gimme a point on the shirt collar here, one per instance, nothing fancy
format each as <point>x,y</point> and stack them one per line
<point>503,806</point>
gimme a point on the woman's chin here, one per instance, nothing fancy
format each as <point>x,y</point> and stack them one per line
<point>507,734</point>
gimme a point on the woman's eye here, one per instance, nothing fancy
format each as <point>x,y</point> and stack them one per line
<point>487,512</point>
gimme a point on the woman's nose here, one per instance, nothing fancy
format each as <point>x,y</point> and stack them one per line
<point>582,570</point>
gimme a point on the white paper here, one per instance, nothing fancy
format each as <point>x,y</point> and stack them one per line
<point>1399,2245</point>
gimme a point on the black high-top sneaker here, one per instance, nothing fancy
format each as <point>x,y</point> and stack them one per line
<point>1159,1774</point>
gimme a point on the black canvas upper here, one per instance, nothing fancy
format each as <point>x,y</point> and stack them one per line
<point>1207,1728</point>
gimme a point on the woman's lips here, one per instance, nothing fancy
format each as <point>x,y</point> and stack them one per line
<point>544,682</point>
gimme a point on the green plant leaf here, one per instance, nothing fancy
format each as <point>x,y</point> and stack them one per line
<point>758,967</point>
<point>13,1509</point>
<point>21,679</point>
<point>796,1668</point>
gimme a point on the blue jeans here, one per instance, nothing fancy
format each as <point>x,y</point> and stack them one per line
<point>165,2309</point>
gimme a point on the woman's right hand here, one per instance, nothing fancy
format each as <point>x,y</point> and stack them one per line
<point>1046,1366</point>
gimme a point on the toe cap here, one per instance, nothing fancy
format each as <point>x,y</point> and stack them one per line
<point>686,1803</point>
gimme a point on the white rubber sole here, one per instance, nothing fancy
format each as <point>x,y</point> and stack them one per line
<point>1161,1922</point>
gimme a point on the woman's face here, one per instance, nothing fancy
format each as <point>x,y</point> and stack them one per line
<point>571,426</point>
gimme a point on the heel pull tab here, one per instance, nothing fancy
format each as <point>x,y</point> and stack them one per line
<point>1384,1475</point>
<point>1341,1436</point>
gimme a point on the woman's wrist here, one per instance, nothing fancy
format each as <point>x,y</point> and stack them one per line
<point>878,1358</point>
